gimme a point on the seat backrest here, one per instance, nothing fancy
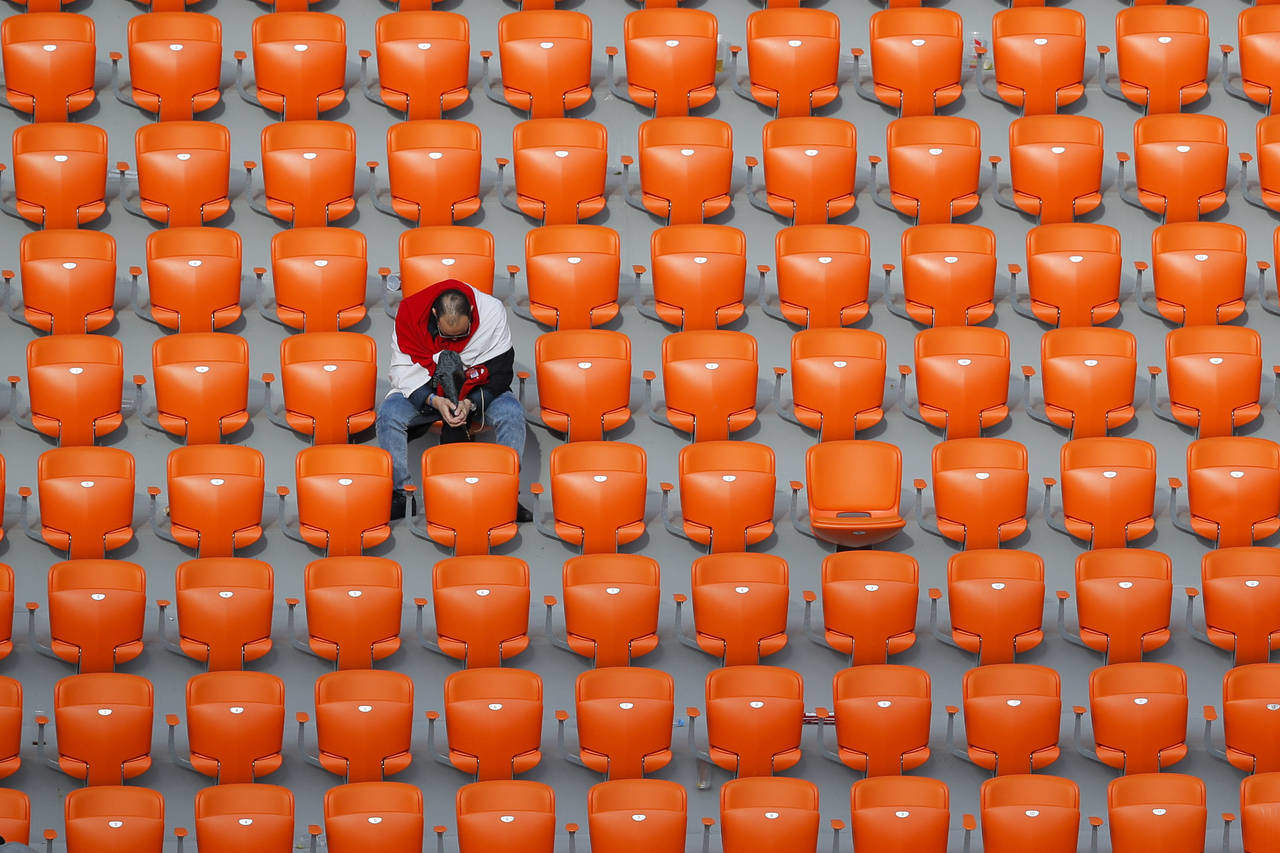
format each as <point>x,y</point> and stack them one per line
<point>424,81</point>
<point>545,55</point>
<point>1161,808</point>
<point>344,496</point>
<point>727,493</point>
<point>670,58</point>
<point>1029,810</point>
<point>980,484</point>
<point>823,274</point>
<point>778,813</point>
<point>48,63</point>
<point>175,84</point>
<point>513,815</point>
<point>1073,273</point>
<point>611,606</point>
<point>598,493</point>
<point>319,277</point>
<point>364,720</point>
<point>584,381</point>
<point>793,56</point>
<point>221,812</point>
<point>433,253</point>
<point>215,497</point>
<point>962,378</point>
<point>224,609</point>
<point>68,280</point>
<point>949,273</point>
<point>235,723</point>
<point>709,379</point>
<point>870,597</point>
<point>296,82</point>
<point>481,607</point>
<point>901,811</point>
<point>698,274</point>
<point>916,53</point>
<point>1180,160</point>
<point>86,499</point>
<point>349,809</point>
<point>103,748</point>
<point>330,380</point>
<point>934,162</point>
<point>572,273</point>
<point>559,167</point>
<point>1108,489</point>
<point>469,494</point>
<point>1039,56</point>
<point>308,169</point>
<point>111,814</point>
<point>1055,162</point>
<point>613,807</point>
<point>740,605</point>
<point>60,173</point>
<point>686,167</point>
<point>1198,270</point>
<point>75,383</point>
<point>96,612</point>
<point>494,720</point>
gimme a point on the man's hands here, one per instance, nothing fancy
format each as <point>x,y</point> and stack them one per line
<point>454,416</point>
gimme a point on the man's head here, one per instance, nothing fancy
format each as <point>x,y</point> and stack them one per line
<point>452,312</point>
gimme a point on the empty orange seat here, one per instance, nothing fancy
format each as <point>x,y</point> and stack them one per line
<point>1233,490</point>
<point>1164,810</point>
<point>1198,273</point>
<point>1163,56</point>
<point>1055,167</point>
<point>319,279</point>
<point>979,491</point>
<point>6,600</point>
<point>769,814</point>
<point>650,812</point>
<point>75,384</point>
<point>1214,373</point>
<point>364,724</point>
<point>506,815</point>
<point>1267,147</point>
<point>1073,274</point>
<point>948,275</point>
<point>624,717</point>
<point>230,816</point>
<point>59,174</point>
<point>610,607</point>
<point>851,512</point>
<point>1038,58</point>
<point>493,720</point>
<point>329,381</point>
<point>560,166</point>
<point>184,173</point>
<point>373,815</point>
<point>68,281</point>
<point>810,167</point>
<point>1179,165</point>
<point>86,500</point>
<point>201,385</point>
<point>837,381</point>
<point>900,812</point>
<point>739,607</point>
<point>15,816</point>
<point>1087,376</point>
<point>823,273</point>
<point>572,273</point>
<point>104,817</point>
<point>699,276</point>
<point>792,56</point>
<point>235,725</point>
<point>48,63</point>
<point>215,498</point>
<point>1011,717</point>
<point>469,496</point>
<point>433,253</point>
<point>175,64</point>
<point>686,169</point>
<point>934,166</point>
<point>344,498</point>
<point>96,613</point>
<point>709,379</point>
<point>584,382</point>
<point>481,608</point>
<point>353,610</point>
<point>422,62</point>
<point>546,62</point>
<point>308,172</point>
<point>433,171</point>
<point>597,495</point>
<point>299,64</point>
<point>103,725</point>
<point>916,59</point>
<point>868,604</point>
<point>1122,602</point>
<point>1240,588</point>
<point>1024,812</point>
<point>882,718</point>
<point>193,279</point>
<point>754,720</point>
<point>670,60</point>
<point>224,607</point>
<point>726,495</point>
<point>996,599</point>
<point>1139,716</point>
<point>1249,702</point>
<point>1108,491</point>
<point>1256,30</point>
<point>962,379</point>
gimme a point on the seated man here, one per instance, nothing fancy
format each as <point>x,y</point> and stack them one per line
<point>471,326</point>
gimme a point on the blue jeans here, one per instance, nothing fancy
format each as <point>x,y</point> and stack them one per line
<point>396,416</point>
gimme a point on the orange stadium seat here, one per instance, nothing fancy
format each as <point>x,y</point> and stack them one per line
<point>1240,587</point>
<point>962,380</point>
<point>74,383</point>
<point>6,600</point>
<point>1161,810</point>
<point>1249,695</point>
<point>823,276</point>
<point>308,172</point>
<point>68,281</point>
<point>948,275</point>
<point>1214,374</point>
<point>432,253</point>
<point>86,500</point>
<point>481,606</point>
<point>781,76</point>
<point>228,817</point>
<point>224,607</point>
<point>739,607</point>
<point>542,85</point>
<point>1011,717</point>
<point>235,726</point>
<point>881,718</point>
<point>1179,165</point>
<point>754,719</point>
<point>709,379</point>
<point>318,279</point>
<point>516,816</point>
<point>810,169</point>
<point>184,173</point>
<point>1055,167</point>
<point>584,382</point>
<point>175,64</point>
<point>868,605</point>
<point>1267,146</point>
<point>1073,275</point>
<point>572,274</point>
<point>1139,715</point>
<point>103,727</point>
<point>1025,812</point>
<point>1259,795</point>
<point>837,381</point>
<point>1037,56</point>
<point>900,812</point>
<point>934,165</point>
<point>650,812</point>
<point>597,495</point>
<point>364,724</point>
<point>493,721</point>
<point>15,816</point>
<point>366,816</point>
<point>670,60</point>
<point>699,276</point>
<point>469,496</point>
<point>1108,491</point>
<point>1162,54</point>
<point>201,386</point>
<point>769,814</point>
<point>344,498</point>
<point>193,279</point>
<point>329,381</point>
<point>726,495</point>
<point>215,498</point>
<point>610,608</point>
<point>1233,490</point>
<point>560,170</point>
<point>422,63</point>
<point>1087,378</point>
<point>433,171</point>
<point>96,613</point>
<point>11,720</point>
<point>299,64</point>
<point>106,816</point>
<point>1256,30</point>
<point>851,512</point>
<point>59,174</point>
<point>353,610</point>
<point>48,64</point>
<point>1198,273</point>
<point>916,60</point>
<point>979,492</point>
<point>624,718</point>
<point>996,599</point>
<point>1123,598</point>
<point>686,169</point>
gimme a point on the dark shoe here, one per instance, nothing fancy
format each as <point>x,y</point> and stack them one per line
<point>523,515</point>
<point>399,504</point>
